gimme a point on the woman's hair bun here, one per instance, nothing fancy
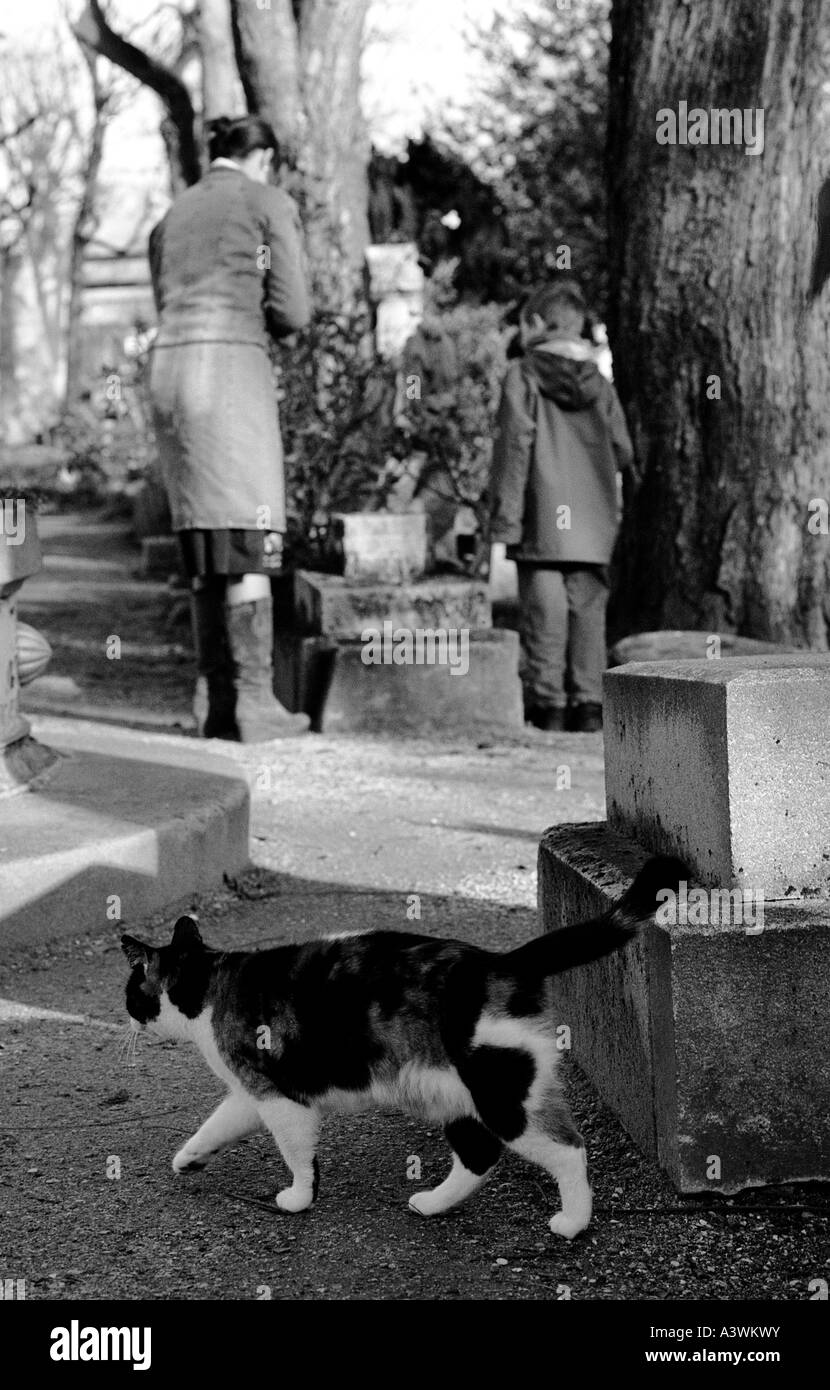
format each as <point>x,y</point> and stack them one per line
<point>235,137</point>
<point>218,131</point>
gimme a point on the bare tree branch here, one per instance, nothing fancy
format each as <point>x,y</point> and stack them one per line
<point>7,136</point>
<point>93,30</point>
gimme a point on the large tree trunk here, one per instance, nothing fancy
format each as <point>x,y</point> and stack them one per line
<point>722,356</point>
<point>220,80</point>
<point>300,67</point>
<point>267,56</point>
<point>338,148</point>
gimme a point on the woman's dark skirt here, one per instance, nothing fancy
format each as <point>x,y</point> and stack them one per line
<point>224,552</point>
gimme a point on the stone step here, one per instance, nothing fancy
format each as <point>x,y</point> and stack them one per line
<point>341,691</point>
<point>49,588</point>
<point>74,566</point>
<point>331,605</point>
<point>62,697</point>
<point>688,645</point>
<point>144,651</point>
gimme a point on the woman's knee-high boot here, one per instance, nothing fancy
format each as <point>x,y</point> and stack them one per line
<point>259,713</point>
<point>214,703</point>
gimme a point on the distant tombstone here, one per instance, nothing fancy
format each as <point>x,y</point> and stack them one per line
<point>388,546</point>
<point>396,288</point>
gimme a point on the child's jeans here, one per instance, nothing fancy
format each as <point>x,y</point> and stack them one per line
<point>562,629</point>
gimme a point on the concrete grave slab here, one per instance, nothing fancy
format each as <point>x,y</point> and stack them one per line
<point>725,763</point>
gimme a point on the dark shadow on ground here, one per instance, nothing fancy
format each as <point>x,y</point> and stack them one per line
<point>503,831</point>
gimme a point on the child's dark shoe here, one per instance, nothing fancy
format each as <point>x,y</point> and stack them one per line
<point>549,718</point>
<point>586,718</point>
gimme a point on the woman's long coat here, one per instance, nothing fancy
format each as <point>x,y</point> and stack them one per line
<point>227,270</point>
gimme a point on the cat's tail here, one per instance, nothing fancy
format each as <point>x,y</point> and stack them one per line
<point>586,941</point>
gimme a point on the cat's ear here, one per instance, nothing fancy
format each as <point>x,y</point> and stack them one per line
<point>186,934</point>
<point>136,951</point>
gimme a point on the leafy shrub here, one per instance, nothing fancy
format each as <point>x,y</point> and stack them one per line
<point>454,425</point>
<point>336,402</point>
<point>106,435</point>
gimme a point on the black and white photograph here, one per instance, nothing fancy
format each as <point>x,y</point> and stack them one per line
<point>414,673</point>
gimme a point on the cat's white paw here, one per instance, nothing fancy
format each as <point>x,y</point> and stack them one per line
<point>425,1204</point>
<point>566,1226</point>
<point>187,1162</point>
<point>290,1200</point>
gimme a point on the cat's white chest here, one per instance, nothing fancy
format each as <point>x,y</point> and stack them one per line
<point>201,1033</point>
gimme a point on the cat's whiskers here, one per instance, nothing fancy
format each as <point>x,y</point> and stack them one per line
<point>128,1046</point>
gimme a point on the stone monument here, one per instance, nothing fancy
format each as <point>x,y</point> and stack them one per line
<point>396,289</point>
<point>710,1035</point>
<point>382,645</point>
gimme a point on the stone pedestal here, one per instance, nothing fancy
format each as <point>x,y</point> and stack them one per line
<point>710,1035</point>
<point>366,655</point>
<point>332,683</point>
<point>727,765</point>
<point>332,604</point>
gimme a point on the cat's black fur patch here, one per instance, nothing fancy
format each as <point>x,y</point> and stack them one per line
<point>499,1079</point>
<point>527,997</point>
<point>143,1002</point>
<point>189,981</point>
<point>478,1149</point>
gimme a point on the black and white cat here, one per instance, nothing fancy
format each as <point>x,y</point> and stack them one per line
<point>446,1031</point>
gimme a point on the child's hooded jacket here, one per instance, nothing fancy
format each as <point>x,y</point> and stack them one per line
<point>560,438</point>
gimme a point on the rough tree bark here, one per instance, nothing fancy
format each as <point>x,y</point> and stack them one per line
<point>299,61</point>
<point>219,76</point>
<point>713,254</point>
<point>267,56</point>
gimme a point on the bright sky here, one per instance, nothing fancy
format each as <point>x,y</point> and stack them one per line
<point>425,63</point>
<point>419,61</point>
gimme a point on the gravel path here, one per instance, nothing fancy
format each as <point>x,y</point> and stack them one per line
<point>347,833</point>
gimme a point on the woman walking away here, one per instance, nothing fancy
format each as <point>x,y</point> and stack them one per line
<point>227,269</point>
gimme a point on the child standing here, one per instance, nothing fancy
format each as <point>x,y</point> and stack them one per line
<point>560,438</point>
